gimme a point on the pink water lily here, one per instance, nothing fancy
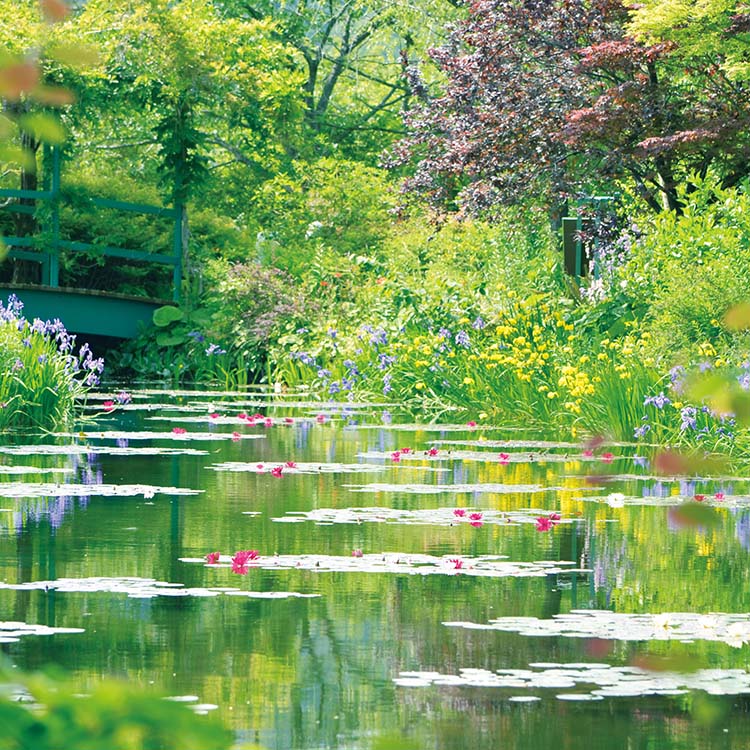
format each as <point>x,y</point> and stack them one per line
<point>504,458</point>
<point>108,405</point>
<point>699,498</point>
<point>213,557</point>
<point>356,553</point>
<point>471,424</point>
<point>260,469</point>
<point>555,517</point>
<point>268,422</point>
<point>288,420</point>
<point>214,415</point>
<point>432,452</point>
<point>290,465</point>
<point>459,512</point>
<point>242,556</point>
<point>396,456</point>
<point>242,415</point>
<point>458,563</point>
<point>607,457</point>
<point>239,568</point>
<point>179,430</point>
<point>719,496</point>
<point>588,453</point>
<point>476,524</point>
<point>236,436</point>
<point>277,470</point>
<point>543,523</point>
<point>320,418</point>
<point>406,451</point>
<point>475,516</point>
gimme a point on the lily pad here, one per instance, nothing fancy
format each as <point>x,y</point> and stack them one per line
<point>12,632</point>
<point>27,489</point>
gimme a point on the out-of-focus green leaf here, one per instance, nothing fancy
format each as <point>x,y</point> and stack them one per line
<point>45,127</point>
<point>78,56</point>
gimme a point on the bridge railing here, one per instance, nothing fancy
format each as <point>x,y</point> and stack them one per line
<point>49,245</point>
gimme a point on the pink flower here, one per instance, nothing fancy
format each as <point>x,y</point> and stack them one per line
<point>179,430</point>
<point>457,563</point>
<point>320,418</point>
<point>471,424</point>
<point>475,524</point>
<point>242,556</point>
<point>288,420</point>
<point>432,452</point>
<point>212,558</point>
<point>236,436</point>
<point>290,465</point>
<point>700,498</point>
<point>555,517</point>
<point>504,458</point>
<point>260,468</point>
<point>396,456</point>
<point>459,512</point>
<point>108,405</point>
<point>239,568</point>
<point>543,523</point>
<point>242,415</point>
<point>257,416</point>
<point>276,471</point>
<point>268,422</point>
<point>406,451</point>
<point>475,516</point>
<point>214,415</point>
<point>588,453</point>
<point>719,496</point>
<point>356,553</point>
<point>607,457</point>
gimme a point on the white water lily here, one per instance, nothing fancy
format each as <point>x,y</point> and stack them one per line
<point>616,500</point>
<point>737,634</point>
<point>662,622</point>
<point>708,622</point>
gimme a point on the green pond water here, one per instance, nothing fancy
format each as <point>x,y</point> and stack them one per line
<point>375,614</point>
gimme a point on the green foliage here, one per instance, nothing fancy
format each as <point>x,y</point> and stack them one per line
<point>113,715</point>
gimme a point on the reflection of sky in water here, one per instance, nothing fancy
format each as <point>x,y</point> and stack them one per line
<point>302,435</point>
<point>742,530</point>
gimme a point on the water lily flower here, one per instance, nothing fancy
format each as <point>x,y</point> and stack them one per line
<point>555,517</point>
<point>588,453</point>
<point>459,512</point>
<point>320,418</point>
<point>719,496</point>
<point>276,471</point>
<point>737,634</point>
<point>213,557</point>
<point>108,405</point>
<point>288,420</point>
<point>242,415</point>
<point>662,622</point>
<point>432,452</point>
<point>242,556</point>
<point>607,457</point>
<point>475,516</point>
<point>290,465</point>
<point>236,436</point>
<point>260,468</point>
<point>179,430</point>
<point>457,563</point>
<point>356,553</point>
<point>406,451</point>
<point>396,456</point>
<point>504,458</point>
<point>543,523</point>
<point>214,415</point>
<point>699,498</point>
<point>476,524</point>
<point>471,424</point>
<point>268,422</point>
<point>616,500</point>
<point>239,568</point>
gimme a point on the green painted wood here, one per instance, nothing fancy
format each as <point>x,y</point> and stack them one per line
<point>34,194</point>
<point>83,312</point>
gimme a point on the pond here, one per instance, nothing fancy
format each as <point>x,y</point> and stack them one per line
<point>403,585</point>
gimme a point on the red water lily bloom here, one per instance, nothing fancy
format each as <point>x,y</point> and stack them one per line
<point>239,568</point>
<point>268,422</point>
<point>719,496</point>
<point>457,563</point>
<point>276,471</point>
<point>475,516</point>
<point>588,453</point>
<point>179,430</point>
<point>471,424</point>
<point>607,457</point>
<point>242,415</point>
<point>236,436</point>
<point>700,498</point>
<point>108,405</point>
<point>288,420</point>
<point>290,465</point>
<point>260,468</point>
<point>543,523</point>
<point>214,415</point>
<point>396,456</point>
<point>554,516</point>
<point>243,555</point>
<point>432,452</point>
<point>213,557</point>
<point>475,524</point>
<point>320,418</point>
<point>356,553</point>
<point>504,458</point>
<point>459,512</point>
<point>406,451</point>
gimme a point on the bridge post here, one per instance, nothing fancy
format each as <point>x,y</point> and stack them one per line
<point>54,258</point>
<point>177,250</point>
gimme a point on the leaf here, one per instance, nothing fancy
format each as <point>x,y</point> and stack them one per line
<point>78,56</point>
<point>54,96</point>
<point>17,79</point>
<point>737,318</point>
<point>4,250</point>
<point>163,316</point>
<point>692,514</point>
<point>16,155</point>
<point>54,10</point>
<point>167,339</point>
<point>45,127</point>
